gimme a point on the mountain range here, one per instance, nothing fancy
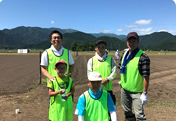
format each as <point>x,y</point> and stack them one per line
<point>38,38</point>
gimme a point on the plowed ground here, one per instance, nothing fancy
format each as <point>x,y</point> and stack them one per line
<point>19,88</point>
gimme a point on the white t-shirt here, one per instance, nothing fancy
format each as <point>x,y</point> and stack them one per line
<point>44,57</point>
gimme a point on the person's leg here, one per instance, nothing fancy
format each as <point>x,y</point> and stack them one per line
<point>126,102</point>
<point>138,107</point>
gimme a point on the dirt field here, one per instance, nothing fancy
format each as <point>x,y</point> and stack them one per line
<point>20,89</point>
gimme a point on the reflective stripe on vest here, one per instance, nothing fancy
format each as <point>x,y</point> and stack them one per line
<point>60,110</point>
<point>96,110</point>
<point>104,68</point>
<point>52,59</point>
<point>132,80</point>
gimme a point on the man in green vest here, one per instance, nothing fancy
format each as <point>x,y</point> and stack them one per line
<point>105,65</point>
<point>134,72</point>
<point>94,104</point>
<point>53,54</point>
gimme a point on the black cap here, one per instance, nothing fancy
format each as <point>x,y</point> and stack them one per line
<point>99,41</point>
<point>132,34</point>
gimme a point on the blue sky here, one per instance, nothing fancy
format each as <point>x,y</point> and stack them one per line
<point>91,16</point>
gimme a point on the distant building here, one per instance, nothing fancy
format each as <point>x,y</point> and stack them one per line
<point>23,50</point>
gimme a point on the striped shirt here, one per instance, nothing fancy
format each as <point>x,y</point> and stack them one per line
<point>143,65</point>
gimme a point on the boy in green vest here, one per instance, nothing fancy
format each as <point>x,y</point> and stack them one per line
<point>94,104</point>
<point>61,107</point>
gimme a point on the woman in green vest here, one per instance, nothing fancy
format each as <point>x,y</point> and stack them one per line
<point>60,91</point>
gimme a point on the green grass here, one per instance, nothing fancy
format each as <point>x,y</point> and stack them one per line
<point>165,103</point>
<point>92,53</point>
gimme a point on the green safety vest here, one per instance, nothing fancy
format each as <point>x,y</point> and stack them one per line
<point>104,68</point>
<point>60,110</point>
<point>96,109</point>
<point>132,80</point>
<point>53,59</point>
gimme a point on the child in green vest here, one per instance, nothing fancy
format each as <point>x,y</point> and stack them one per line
<point>94,104</point>
<point>60,91</point>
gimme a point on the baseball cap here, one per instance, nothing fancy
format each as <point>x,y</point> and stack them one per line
<point>60,61</point>
<point>132,34</point>
<point>94,76</point>
<point>100,41</point>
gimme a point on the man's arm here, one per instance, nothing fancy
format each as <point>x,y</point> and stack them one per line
<point>71,68</point>
<point>146,83</point>
<point>144,69</point>
<point>71,64</point>
<point>89,66</point>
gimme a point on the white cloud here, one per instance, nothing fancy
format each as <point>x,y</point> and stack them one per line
<point>139,23</point>
<point>119,30</point>
<point>143,22</point>
<point>162,30</point>
<point>174,1</point>
<point>131,26</point>
<point>0,0</point>
<point>52,22</point>
<point>144,31</point>
<point>173,32</point>
<point>106,31</point>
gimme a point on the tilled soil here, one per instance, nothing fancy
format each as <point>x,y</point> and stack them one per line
<point>20,89</point>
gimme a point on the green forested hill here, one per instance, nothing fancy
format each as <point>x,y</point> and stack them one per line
<point>38,38</point>
<point>156,39</point>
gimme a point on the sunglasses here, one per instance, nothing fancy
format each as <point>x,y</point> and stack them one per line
<point>57,37</point>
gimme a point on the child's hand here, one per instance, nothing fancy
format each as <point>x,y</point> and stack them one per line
<point>66,97</point>
<point>62,91</point>
<point>68,75</point>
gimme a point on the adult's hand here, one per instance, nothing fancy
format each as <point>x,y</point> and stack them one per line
<point>104,81</point>
<point>51,79</point>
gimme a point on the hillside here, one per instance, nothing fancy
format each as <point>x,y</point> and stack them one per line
<point>38,38</point>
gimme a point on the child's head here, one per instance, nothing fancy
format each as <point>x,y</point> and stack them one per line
<point>61,68</point>
<point>94,81</point>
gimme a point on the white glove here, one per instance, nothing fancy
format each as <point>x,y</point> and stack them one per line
<point>143,99</point>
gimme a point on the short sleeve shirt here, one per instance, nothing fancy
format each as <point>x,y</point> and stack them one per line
<point>63,83</point>
<point>80,108</point>
<point>44,57</point>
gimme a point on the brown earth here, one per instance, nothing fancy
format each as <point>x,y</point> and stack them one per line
<point>20,89</point>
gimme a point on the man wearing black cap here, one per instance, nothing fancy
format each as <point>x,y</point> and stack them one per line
<point>103,64</point>
<point>134,72</point>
